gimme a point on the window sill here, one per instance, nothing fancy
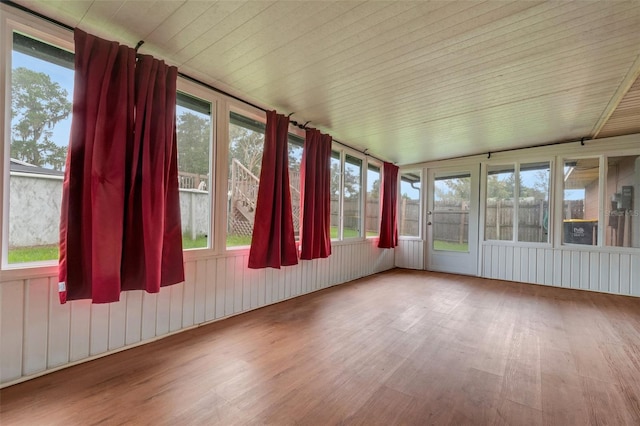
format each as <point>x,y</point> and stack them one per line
<point>29,271</point>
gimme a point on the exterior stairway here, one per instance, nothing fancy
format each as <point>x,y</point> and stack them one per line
<point>244,195</point>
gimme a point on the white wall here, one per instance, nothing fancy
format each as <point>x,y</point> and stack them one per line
<point>38,335</point>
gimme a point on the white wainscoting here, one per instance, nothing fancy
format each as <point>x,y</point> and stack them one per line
<point>410,254</point>
<point>38,335</point>
<point>617,273</point>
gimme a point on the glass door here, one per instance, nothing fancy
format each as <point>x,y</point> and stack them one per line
<point>452,221</point>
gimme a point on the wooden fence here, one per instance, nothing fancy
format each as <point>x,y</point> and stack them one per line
<point>532,220</point>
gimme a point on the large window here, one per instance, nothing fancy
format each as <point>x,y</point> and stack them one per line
<point>352,197</point>
<point>246,143</point>
<point>372,222</point>
<point>346,195</point>
<point>409,204</point>
<point>499,206</point>
<point>41,96</point>
<point>533,202</point>
<point>622,210</point>
<point>580,207</point>
<point>194,128</point>
<point>336,184</point>
<point>518,198</point>
<point>295,148</point>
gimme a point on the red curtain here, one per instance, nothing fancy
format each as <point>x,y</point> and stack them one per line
<point>93,189</point>
<point>315,238</point>
<point>273,242</point>
<point>389,214</point>
<point>120,221</point>
<point>152,231</point>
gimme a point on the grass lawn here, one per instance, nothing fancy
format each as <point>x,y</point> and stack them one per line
<point>199,242</point>
<point>448,246</point>
<point>33,254</point>
<point>42,253</point>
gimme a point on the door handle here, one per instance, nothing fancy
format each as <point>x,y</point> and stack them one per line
<point>429,223</point>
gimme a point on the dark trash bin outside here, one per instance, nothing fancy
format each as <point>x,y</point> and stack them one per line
<point>580,231</point>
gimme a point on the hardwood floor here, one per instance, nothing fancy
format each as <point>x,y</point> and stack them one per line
<point>402,347</point>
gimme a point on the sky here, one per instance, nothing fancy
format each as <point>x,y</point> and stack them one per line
<point>62,76</point>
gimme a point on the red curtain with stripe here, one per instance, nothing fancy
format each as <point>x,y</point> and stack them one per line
<point>120,188</point>
<point>315,175</point>
<point>389,213</point>
<point>273,241</point>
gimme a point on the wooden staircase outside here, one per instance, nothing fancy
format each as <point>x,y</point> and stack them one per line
<point>244,195</point>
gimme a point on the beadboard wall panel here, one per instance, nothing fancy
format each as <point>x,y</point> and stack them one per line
<point>617,273</point>
<point>37,334</point>
<point>410,254</point>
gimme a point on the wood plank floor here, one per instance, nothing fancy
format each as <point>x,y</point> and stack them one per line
<point>402,347</point>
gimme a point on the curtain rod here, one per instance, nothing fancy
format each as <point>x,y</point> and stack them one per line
<point>185,76</point>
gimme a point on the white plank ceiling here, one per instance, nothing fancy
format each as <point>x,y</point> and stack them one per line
<point>410,80</point>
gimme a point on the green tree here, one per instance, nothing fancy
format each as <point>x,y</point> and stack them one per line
<point>37,105</point>
<point>351,182</point>
<point>194,134</point>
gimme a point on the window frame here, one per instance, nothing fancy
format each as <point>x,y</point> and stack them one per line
<point>223,152</point>
<point>421,202</point>
<point>516,196</point>
<point>375,163</point>
<point>559,214</point>
<point>343,151</point>
<point>61,38</point>
<point>192,89</point>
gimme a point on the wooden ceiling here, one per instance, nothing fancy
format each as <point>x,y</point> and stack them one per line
<point>410,81</point>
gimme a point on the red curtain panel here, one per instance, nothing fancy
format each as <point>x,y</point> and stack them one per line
<point>120,220</point>
<point>315,238</point>
<point>389,214</point>
<point>93,190</point>
<point>152,254</point>
<point>273,241</point>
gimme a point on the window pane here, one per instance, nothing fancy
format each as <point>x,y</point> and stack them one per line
<point>335,195</point>
<point>352,197</point>
<point>622,209</point>
<point>246,142</point>
<point>194,153</point>
<point>499,211</point>
<point>409,206</point>
<point>41,96</point>
<point>295,147</point>
<point>372,223</point>
<point>533,203</point>
<point>580,201</point>
<point>450,222</point>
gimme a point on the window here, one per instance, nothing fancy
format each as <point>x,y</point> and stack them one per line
<point>41,96</point>
<point>526,220</point>
<point>352,197</point>
<point>346,196</point>
<point>409,205</point>
<point>194,129</point>
<point>533,202</point>
<point>295,148</point>
<point>246,143</point>
<point>499,206</point>
<point>372,222</point>
<point>622,210</point>
<point>336,184</point>
<point>580,207</point>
